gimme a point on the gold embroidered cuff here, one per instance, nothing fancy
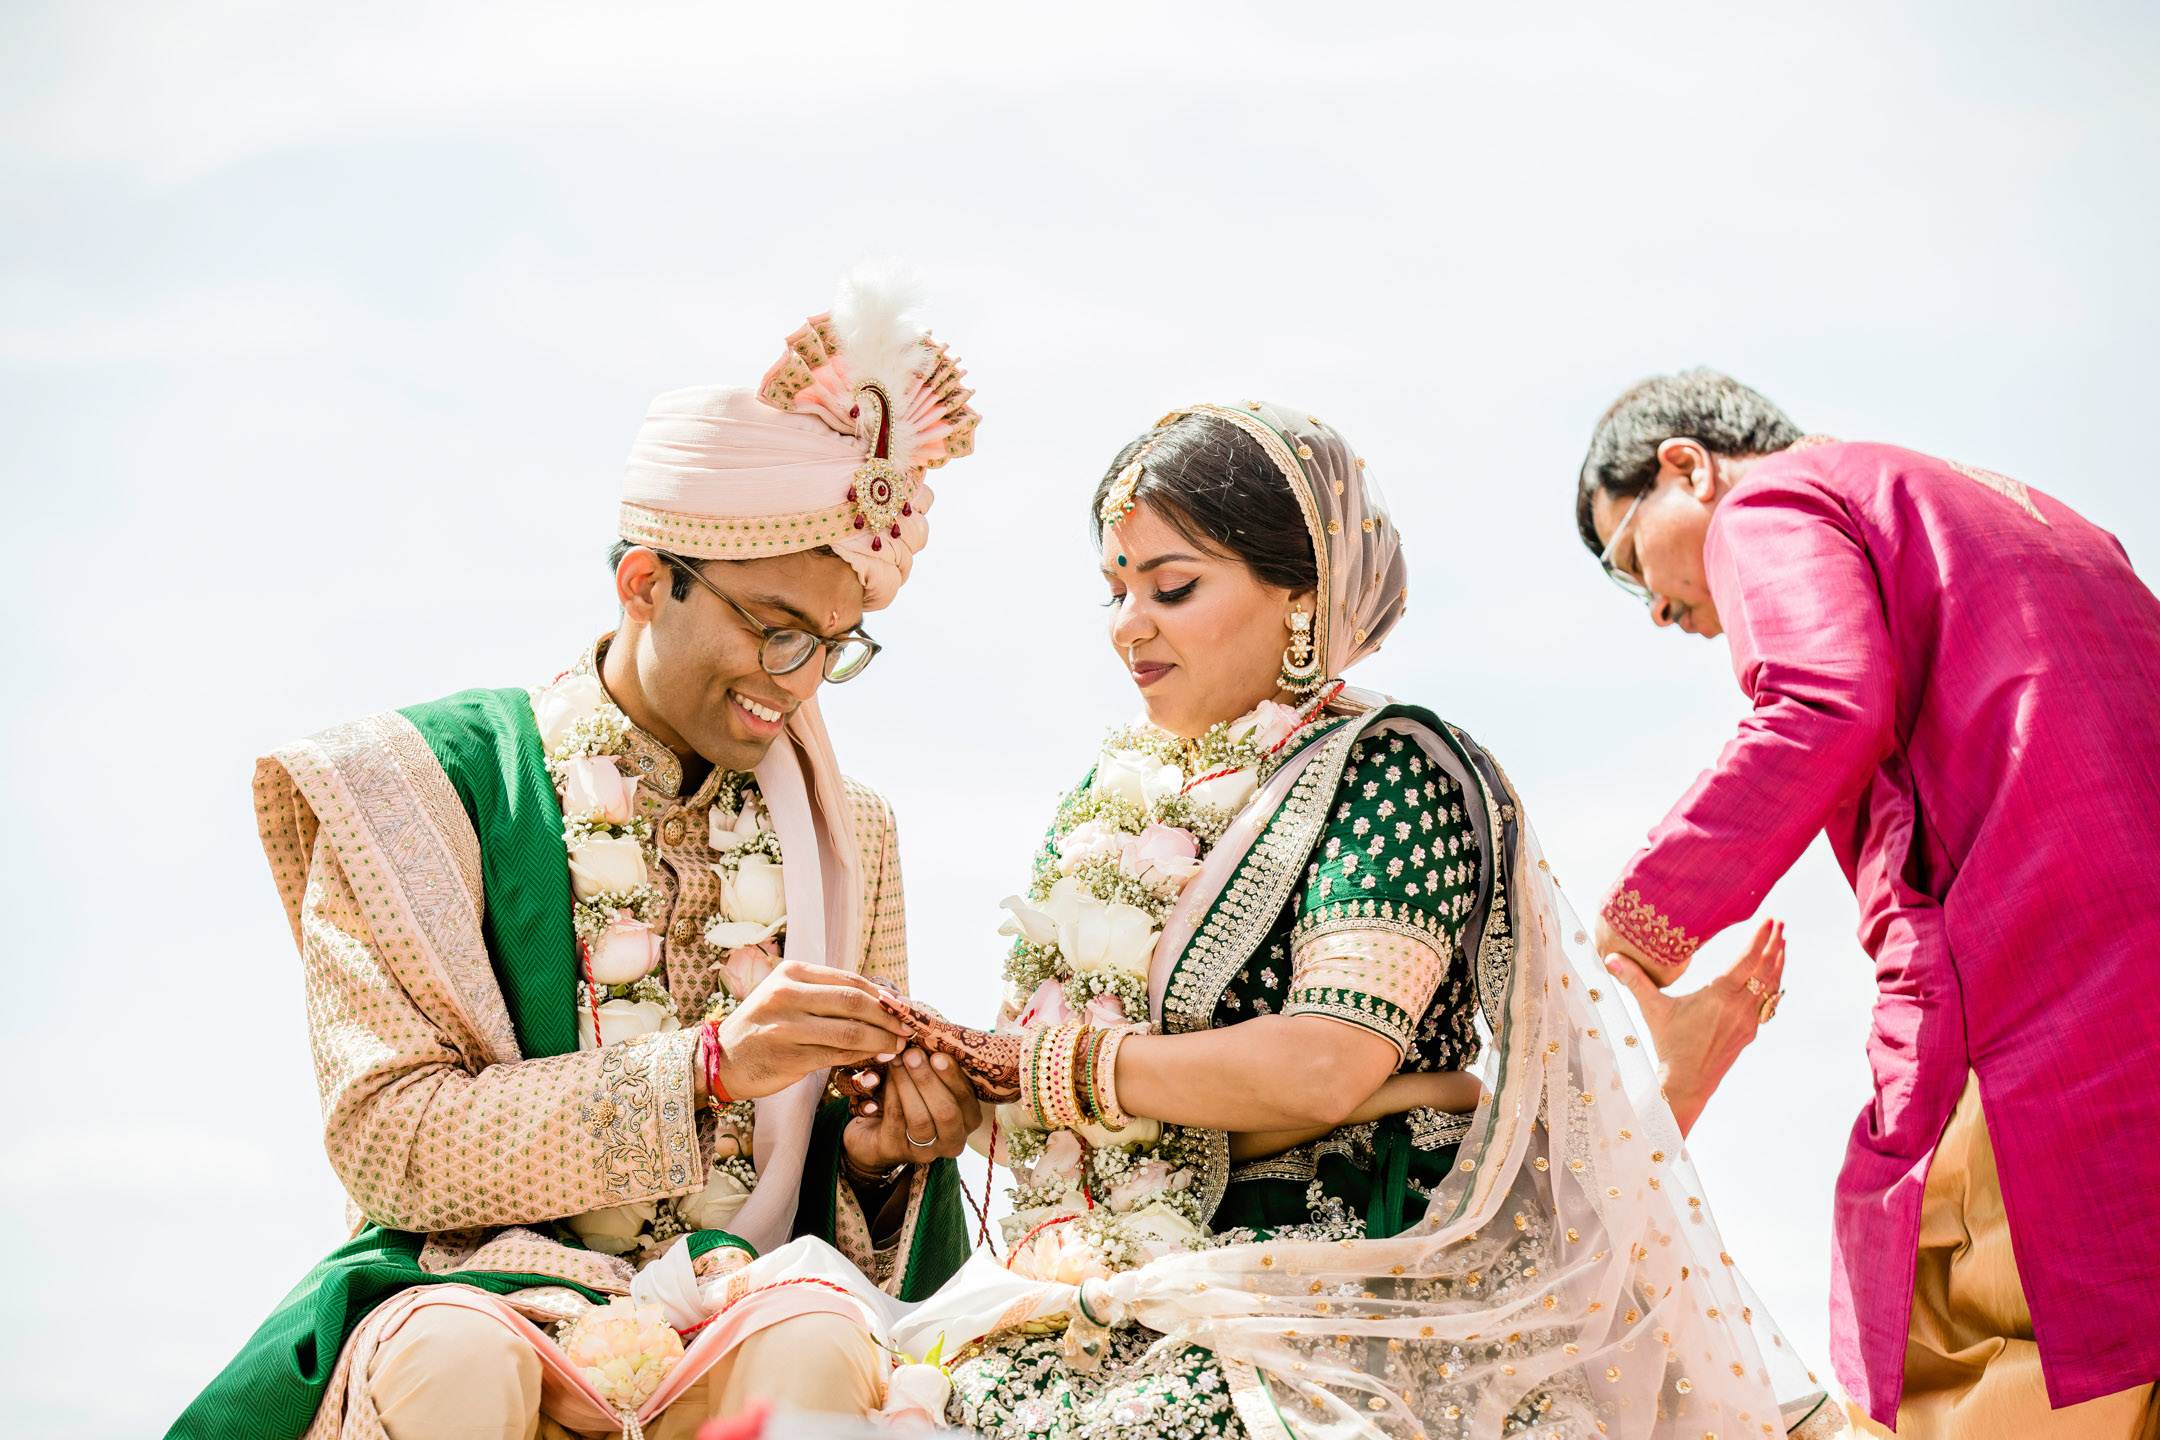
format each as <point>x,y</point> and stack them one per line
<point>1640,924</point>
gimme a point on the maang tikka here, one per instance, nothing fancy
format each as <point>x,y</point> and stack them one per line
<point>1300,673</point>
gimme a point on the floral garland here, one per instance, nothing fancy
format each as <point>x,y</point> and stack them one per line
<point>1121,849</point>
<point>615,910</point>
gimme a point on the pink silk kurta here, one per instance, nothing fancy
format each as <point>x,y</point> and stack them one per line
<point>1957,678</point>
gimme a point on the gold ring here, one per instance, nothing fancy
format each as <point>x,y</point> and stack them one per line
<point>1754,986</point>
<point>1769,1008</point>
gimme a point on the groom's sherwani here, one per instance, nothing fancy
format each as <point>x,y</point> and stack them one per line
<point>409,849</point>
<point>1958,678</point>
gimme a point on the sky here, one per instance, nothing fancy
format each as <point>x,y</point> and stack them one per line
<point>324,330</point>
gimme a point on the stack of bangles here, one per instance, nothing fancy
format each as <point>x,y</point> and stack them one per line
<point>710,1054</point>
<point>1070,1071</point>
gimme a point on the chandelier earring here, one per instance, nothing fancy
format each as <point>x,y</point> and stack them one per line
<point>1300,673</point>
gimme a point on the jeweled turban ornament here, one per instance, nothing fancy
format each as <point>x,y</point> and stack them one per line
<point>831,449</point>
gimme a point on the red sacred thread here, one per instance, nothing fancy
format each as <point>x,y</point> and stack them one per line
<point>1306,719</point>
<point>592,991</point>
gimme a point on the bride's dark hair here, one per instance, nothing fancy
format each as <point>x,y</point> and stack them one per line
<point>1218,489</point>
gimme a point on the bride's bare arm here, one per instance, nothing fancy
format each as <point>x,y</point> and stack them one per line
<point>1276,1072</point>
<point>1453,1090</point>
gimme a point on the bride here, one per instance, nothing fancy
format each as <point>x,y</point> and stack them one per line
<point>1260,1191</point>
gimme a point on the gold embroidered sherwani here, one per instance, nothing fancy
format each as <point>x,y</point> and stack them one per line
<point>432,1119</point>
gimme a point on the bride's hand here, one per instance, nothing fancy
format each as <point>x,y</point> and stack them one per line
<point>1699,1035</point>
<point>990,1062</point>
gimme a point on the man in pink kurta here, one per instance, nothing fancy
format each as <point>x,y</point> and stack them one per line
<point>1957,679</point>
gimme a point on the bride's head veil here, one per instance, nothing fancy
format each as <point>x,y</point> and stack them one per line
<point>1567,1278</point>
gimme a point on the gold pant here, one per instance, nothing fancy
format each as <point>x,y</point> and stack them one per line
<point>1972,1371</point>
<point>452,1373</point>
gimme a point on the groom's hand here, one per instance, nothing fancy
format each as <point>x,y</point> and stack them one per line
<point>925,1110</point>
<point>802,1018</point>
<point>1699,1035</point>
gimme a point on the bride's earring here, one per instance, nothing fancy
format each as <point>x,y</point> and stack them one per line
<point>1300,673</point>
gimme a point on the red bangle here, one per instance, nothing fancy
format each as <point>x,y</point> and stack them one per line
<point>710,1048</point>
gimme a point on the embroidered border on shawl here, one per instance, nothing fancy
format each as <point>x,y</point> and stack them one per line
<point>1642,925</point>
<point>388,786</point>
<point>643,1081</point>
<point>1241,916</point>
<point>1437,1129</point>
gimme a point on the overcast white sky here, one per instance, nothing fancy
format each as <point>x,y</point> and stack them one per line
<point>324,330</point>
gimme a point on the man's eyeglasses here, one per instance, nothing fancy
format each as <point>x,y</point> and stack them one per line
<point>783,651</point>
<point>1613,572</point>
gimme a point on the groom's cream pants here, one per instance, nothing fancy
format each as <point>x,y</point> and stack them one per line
<point>452,1373</point>
<point>1972,1371</point>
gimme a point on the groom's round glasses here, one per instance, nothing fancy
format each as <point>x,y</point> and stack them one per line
<point>1613,572</point>
<point>783,651</point>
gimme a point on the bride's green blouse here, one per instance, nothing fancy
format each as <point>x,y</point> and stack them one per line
<point>1371,938</point>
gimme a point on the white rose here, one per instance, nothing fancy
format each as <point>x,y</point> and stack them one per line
<point>714,1206</point>
<point>1158,1221</point>
<point>594,787</point>
<point>624,1020</point>
<point>1226,792</point>
<point>617,1229</point>
<point>1136,776</point>
<point>602,865</point>
<point>1094,936</point>
<point>732,830</point>
<point>754,893</point>
<point>1142,1131</point>
<point>1038,926</point>
<point>563,704</point>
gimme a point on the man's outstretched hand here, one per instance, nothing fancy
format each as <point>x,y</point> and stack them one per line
<point>801,1018</point>
<point>1699,1035</point>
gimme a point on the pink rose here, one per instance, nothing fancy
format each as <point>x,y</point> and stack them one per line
<point>1060,1161</point>
<point>1047,1006</point>
<point>1104,1009</point>
<point>1091,840</point>
<point>1162,857</point>
<point>747,966</point>
<point>1144,1182</point>
<point>1267,726</point>
<point>627,950</point>
<point>594,787</point>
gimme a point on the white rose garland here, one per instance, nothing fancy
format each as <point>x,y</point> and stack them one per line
<point>615,913</point>
<point>1120,850</point>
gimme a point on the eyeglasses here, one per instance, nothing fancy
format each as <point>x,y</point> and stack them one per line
<point>1613,572</point>
<point>783,651</point>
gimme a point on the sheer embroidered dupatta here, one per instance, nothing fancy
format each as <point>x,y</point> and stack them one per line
<point>1568,1277</point>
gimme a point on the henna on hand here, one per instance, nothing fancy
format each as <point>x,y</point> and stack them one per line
<point>990,1062</point>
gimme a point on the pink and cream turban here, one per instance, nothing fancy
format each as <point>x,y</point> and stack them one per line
<point>830,449</point>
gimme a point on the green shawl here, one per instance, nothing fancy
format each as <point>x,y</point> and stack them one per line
<point>489,747</point>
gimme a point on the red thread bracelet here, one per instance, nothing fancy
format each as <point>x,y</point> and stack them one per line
<point>715,1091</point>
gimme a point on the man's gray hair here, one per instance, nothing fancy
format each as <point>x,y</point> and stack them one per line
<point>1701,405</point>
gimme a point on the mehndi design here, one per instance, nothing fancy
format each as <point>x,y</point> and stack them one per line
<point>990,1062</point>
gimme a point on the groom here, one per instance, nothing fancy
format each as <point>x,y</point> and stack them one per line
<point>503,1165</point>
<point>1957,678</point>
